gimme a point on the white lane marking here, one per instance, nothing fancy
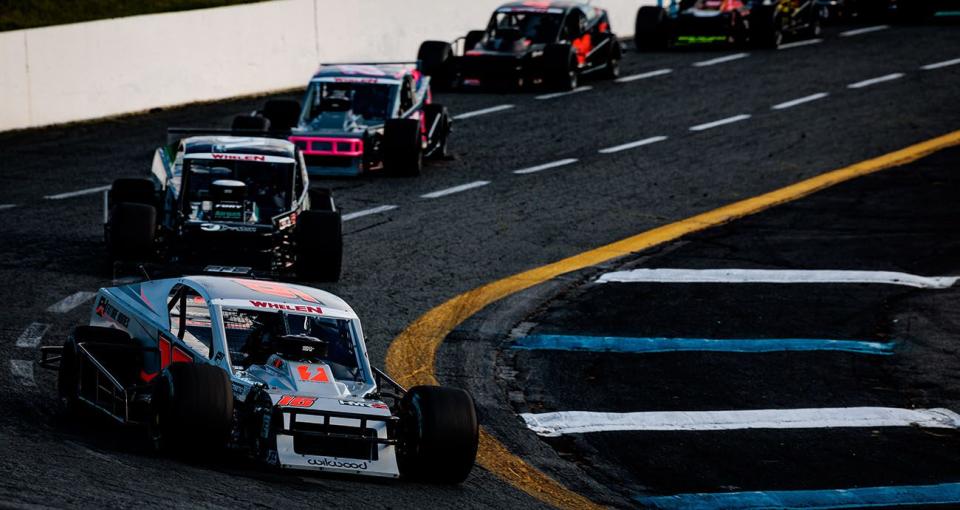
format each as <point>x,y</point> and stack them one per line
<point>643,76</point>
<point>720,60</point>
<point>873,81</point>
<point>864,30</point>
<point>78,193</point>
<point>32,335</point>
<point>721,122</point>
<point>576,422</point>
<point>7,206</point>
<point>545,166</point>
<point>477,113</point>
<point>632,145</point>
<point>938,65</point>
<point>22,371</point>
<point>797,44</point>
<point>777,276</point>
<point>567,93</point>
<point>800,100</point>
<point>368,212</point>
<point>455,189</point>
<point>70,302</point>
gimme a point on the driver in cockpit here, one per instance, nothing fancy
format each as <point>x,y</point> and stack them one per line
<point>259,345</point>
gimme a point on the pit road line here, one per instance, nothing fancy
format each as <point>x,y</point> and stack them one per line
<point>721,122</point>
<point>939,65</point>
<point>567,93</point>
<point>22,371</point>
<point>32,335</point>
<point>78,193</point>
<point>865,30</point>
<point>546,166</point>
<point>720,60</point>
<point>632,145</point>
<point>411,357</point>
<point>4,207</point>
<point>799,101</point>
<point>643,76</point>
<point>797,44</point>
<point>70,302</point>
<point>455,189</point>
<point>368,212</point>
<point>780,276</point>
<point>874,81</point>
<point>485,111</point>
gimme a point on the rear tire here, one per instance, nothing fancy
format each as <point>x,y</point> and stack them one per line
<point>402,153</point>
<point>319,239</point>
<point>438,434</point>
<point>250,123</point>
<point>650,31</point>
<point>612,71</point>
<point>435,58</point>
<point>442,133</point>
<point>766,30</point>
<point>191,410</point>
<point>132,231</point>
<point>283,114</point>
<point>561,67</point>
<point>135,190</point>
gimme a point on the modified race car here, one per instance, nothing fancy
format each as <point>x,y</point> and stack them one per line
<point>528,43</point>
<point>359,118</point>
<point>276,371</point>
<point>760,23</point>
<point>226,200</point>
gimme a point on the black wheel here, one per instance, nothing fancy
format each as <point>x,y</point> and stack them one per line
<point>283,114</point>
<point>191,409</point>
<point>438,434</point>
<point>250,123</point>
<point>650,30</point>
<point>473,39</point>
<point>135,190</point>
<point>68,378</point>
<point>438,114</point>
<point>561,67</point>
<point>402,151</point>
<point>766,29</point>
<point>321,199</point>
<point>319,241</point>
<point>612,70</point>
<point>435,58</point>
<point>131,231</point>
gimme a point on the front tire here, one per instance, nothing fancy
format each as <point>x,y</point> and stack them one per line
<point>319,239</point>
<point>132,231</point>
<point>403,152</point>
<point>439,434</point>
<point>650,32</point>
<point>191,410</point>
<point>561,67</point>
<point>435,58</point>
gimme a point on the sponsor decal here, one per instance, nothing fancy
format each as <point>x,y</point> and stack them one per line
<point>295,401</point>
<point>357,403</point>
<point>356,80</point>
<point>216,227</point>
<point>338,464</point>
<point>106,310</point>
<point>239,390</point>
<point>240,157</point>
<point>276,289</point>
<point>287,307</point>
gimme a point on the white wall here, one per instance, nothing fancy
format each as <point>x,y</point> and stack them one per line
<point>101,68</point>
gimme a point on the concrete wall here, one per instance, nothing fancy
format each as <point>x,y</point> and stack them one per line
<point>101,68</point>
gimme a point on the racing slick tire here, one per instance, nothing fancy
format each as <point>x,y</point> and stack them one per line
<point>191,409</point>
<point>650,28</point>
<point>442,131</point>
<point>283,114</point>
<point>766,28</point>
<point>473,39</point>
<point>321,199</point>
<point>438,434</point>
<point>560,61</point>
<point>132,231</point>
<point>612,69</point>
<point>250,123</point>
<point>135,190</point>
<point>319,241</point>
<point>435,58</point>
<point>402,152</point>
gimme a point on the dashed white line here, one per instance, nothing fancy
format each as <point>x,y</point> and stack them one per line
<point>368,212</point>
<point>477,113</point>
<point>643,76</point>
<point>785,276</point>
<point>578,422</point>
<point>720,60</point>
<point>864,30</point>
<point>70,302</point>
<point>632,145</point>
<point>567,93</point>
<point>800,100</point>
<point>874,81</point>
<point>455,189</point>
<point>22,371</point>
<point>721,122</point>
<point>938,65</point>
<point>545,166</point>
<point>797,44</point>
<point>77,193</point>
<point>7,206</point>
<point>31,336</point>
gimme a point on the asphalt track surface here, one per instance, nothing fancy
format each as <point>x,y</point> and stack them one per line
<point>403,262</point>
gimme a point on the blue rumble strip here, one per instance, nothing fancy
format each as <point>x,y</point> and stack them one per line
<point>649,345</point>
<point>866,497</point>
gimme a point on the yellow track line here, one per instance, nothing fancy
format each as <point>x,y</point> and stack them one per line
<point>411,356</point>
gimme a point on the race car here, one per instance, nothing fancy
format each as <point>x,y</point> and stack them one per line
<point>359,118</point>
<point>760,23</point>
<point>227,200</point>
<point>528,43</point>
<point>275,371</point>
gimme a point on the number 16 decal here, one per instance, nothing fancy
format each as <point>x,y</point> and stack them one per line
<point>319,375</point>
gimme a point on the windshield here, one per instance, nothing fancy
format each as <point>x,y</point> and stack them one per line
<point>269,188</point>
<point>368,101</point>
<point>252,336</point>
<point>537,27</point>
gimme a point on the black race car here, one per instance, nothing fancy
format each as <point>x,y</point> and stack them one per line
<point>226,200</point>
<point>760,23</point>
<point>528,43</point>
